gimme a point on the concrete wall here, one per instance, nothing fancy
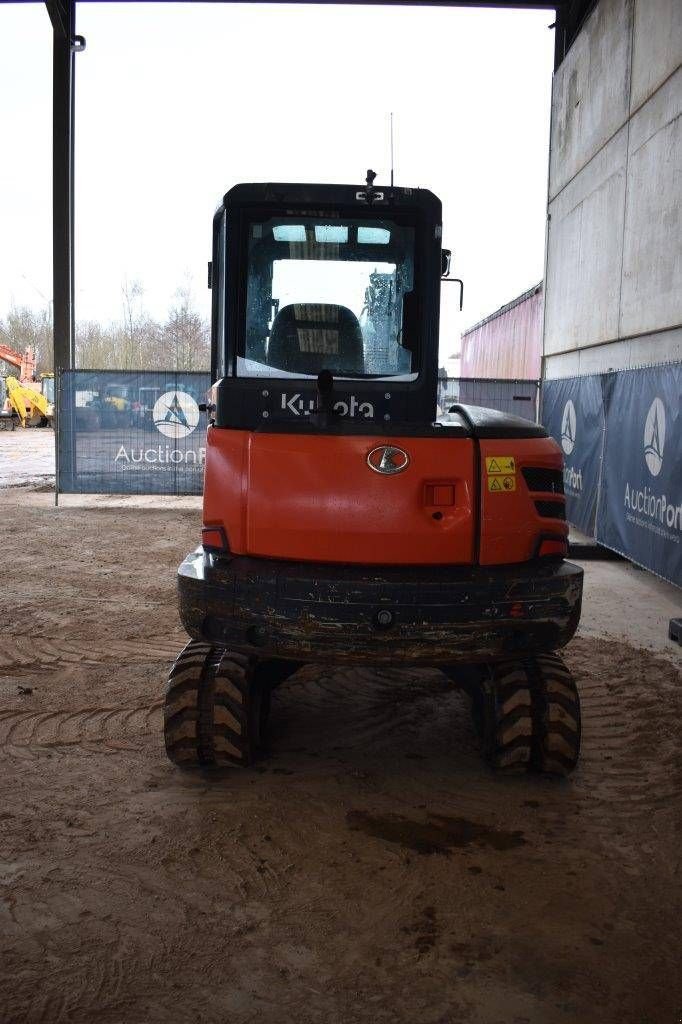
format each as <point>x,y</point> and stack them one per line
<point>507,344</point>
<point>613,285</point>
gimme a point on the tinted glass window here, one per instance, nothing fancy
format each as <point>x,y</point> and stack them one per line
<point>332,296</point>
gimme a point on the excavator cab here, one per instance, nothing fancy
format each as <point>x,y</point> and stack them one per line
<point>334,279</point>
<point>344,522</point>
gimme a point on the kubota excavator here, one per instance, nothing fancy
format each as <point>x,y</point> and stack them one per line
<point>342,522</point>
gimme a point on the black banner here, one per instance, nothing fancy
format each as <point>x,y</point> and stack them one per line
<point>573,413</point>
<point>640,508</point>
<point>123,432</point>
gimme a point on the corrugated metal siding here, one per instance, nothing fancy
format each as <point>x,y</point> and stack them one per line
<point>508,344</point>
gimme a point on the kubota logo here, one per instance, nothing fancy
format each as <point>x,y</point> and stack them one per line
<point>297,405</point>
<point>568,425</point>
<point>654,437</point>
<point>175,414</point>
<point>388,460</point>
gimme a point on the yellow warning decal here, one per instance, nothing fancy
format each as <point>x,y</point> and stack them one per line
<point>503,464</point>
<point>503,484</point>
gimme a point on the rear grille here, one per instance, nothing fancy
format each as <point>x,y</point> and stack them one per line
<point>539,479</point>
<point>551,509</point>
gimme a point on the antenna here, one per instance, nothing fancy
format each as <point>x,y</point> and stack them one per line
<point>391,149</point>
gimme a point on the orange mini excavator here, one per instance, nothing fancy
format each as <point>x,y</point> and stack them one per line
<point>343,521</point>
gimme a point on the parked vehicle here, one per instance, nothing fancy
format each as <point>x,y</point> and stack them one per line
<point>342,521</point>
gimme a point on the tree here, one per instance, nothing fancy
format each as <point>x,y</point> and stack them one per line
<point>186,335</point>
<point>136,342</point>
<point>135,326</point>
<point>94,346</point>
<point>23,327</point>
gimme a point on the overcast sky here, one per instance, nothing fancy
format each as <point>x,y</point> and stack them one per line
<point>175,103</point>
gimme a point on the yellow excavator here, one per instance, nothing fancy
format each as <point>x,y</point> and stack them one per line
<point>31,406</point>
<point>25,397</point>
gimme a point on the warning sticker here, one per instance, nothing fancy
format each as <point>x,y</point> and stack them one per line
<point>503,484</point>
<point>503,464</point>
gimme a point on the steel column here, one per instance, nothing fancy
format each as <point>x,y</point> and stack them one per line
<point>62,14</point>
<point>63,17</point>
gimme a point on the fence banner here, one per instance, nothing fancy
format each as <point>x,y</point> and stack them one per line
<point>640,509</point>
<point>125,432</point>
<point>573,413</point>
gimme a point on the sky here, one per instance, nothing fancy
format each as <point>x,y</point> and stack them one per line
<point>175,103</point>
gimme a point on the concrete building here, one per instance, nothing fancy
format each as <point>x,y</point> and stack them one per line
<point>508,343</point>
<point>614,256</point>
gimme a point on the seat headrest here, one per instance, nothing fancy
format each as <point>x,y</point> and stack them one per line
<point>313,336</point>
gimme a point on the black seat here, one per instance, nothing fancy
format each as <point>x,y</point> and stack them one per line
<point>313,336</point>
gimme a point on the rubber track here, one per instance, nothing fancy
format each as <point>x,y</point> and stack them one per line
<point>509,743</point>
<point>228,730</point>
<point>180,710</point>
<point>556,715</point>
<point>206,720</point>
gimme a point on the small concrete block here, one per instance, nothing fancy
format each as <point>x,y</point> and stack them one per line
<point>675,630</point>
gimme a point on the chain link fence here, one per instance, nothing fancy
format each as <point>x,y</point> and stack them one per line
<point>123,432</point>
<point>518,397</point>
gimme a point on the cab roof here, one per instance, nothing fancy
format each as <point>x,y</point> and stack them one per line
<point>282,194</point>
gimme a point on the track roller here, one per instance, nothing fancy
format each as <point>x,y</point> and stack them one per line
<point>216,708</point>
<point>527,715</point>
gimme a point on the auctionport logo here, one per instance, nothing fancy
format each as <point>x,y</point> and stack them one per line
<point>568,425</point>
<point>654,437</point>
<point>175,414</point>
<point>655,512</point>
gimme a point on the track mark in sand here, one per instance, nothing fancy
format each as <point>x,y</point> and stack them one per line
<point>90,983</point>
<point>46,651</point>
<point>359,707</point>
<point>625,779</point>
<point>630,700</point>
<point>20,728</point>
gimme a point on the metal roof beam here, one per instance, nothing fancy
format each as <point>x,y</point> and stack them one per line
<point>59,15</point>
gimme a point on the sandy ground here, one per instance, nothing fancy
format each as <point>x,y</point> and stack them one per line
<point>371,870</point>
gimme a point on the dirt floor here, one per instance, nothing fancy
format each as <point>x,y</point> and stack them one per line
<point>371,870</point>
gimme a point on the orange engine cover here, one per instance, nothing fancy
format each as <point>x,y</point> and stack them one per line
<point>511,525</point>
<point>315,498</point>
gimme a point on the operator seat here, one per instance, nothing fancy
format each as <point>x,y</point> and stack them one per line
<point>313,336</point>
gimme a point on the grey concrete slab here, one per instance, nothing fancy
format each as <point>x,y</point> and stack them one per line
<point>591,91</point>
<point>623,602</point>
<point>613,295</point>
<point>651,293</point>
<point>657,46</point>
<point>661,347</point>
<point>584,242</point>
